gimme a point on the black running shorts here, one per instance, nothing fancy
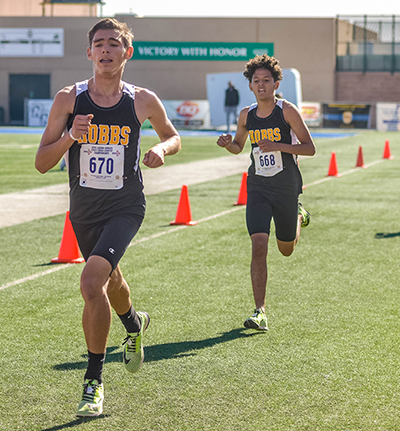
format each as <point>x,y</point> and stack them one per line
<point>262,207</point>
<point>108,239</point>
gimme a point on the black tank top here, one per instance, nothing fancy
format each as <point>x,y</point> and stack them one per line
<point>274,128</point>
<point>116,125</point>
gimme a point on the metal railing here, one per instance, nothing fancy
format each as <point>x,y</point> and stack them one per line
<point>368,43</point>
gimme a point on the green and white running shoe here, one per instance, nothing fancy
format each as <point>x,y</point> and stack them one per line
<point>133,354</point>
<point>306,215</point>
<point>92,399</point>
<point>257,321</point>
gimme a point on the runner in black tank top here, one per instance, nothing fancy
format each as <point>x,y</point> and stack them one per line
<point>117,125</point>
<point>98,123</point>
<point>278,135</point>
<point>275,128</point>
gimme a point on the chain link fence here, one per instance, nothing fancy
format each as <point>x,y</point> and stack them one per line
<point>368,43</point>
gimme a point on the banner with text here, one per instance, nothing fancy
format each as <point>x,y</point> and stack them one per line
<point>199,51</point>
<point>388,117</point>
<point>187,114</point>
<point>346,116</point>
<point>311,113</point>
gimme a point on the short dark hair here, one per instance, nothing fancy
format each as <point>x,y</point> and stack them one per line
<point>112,24</point>
<point>263,62</point>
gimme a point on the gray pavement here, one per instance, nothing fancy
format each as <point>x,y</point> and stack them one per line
<point>21,207</point>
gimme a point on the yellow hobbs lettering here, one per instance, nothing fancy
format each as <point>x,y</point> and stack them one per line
<point>262,134</point>
<point>103,134</point>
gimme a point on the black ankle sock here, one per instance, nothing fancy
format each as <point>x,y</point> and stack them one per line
<point>131,321</point>
<point>95,366</point>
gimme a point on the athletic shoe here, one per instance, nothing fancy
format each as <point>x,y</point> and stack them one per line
<point>133,355</point>
<point>92,399</point>
<point>306,216</point>
<point>257,321</point>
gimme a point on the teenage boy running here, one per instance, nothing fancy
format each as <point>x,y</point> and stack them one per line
<point>278,135</point>
<point>97,123</point>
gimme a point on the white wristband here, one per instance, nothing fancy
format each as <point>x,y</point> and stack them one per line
<point>71,136</point>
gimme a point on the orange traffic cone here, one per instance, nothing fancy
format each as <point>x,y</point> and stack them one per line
<point>242,198</point>
<point>333,170</point>
<point>69,249</point>
<point>360,159</point>
<point>386,151</point>
<point>184,214</point>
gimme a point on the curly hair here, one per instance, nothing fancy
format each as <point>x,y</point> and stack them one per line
<point>263,62</point>
<point>112,24</point>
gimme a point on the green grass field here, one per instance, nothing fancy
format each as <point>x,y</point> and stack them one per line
<point>328,362</point>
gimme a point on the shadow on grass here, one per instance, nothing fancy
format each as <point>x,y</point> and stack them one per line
<point>44,264</point>
<point>159,352</point>
<point>382,235</point>
<point>74,423</point>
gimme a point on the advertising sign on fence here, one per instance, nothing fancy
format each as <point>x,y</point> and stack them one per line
<point>311,113</point>
<point>188,113</point>
<point>388,117</point>
<point>346,116</point>
<point>37,112</point>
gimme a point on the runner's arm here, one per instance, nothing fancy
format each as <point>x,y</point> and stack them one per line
<point>55,142</point>
<point>170,141</point>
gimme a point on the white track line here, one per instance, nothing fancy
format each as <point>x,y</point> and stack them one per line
<point>32,277</point>
<point>157,235</point>
<point>154,236</point>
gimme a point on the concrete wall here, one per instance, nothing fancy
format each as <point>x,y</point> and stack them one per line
<point>367,87</point>
<point>36,8</point>
<point>306,44</point>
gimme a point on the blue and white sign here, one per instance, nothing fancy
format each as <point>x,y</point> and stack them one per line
<point>388,117</point>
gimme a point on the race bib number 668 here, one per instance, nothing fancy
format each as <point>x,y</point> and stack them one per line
<point>267,164</point>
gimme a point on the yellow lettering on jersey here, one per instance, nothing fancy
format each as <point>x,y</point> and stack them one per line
<point>103,134</point>
<point>93,133</point>
<point>251,134</point>
<point>264,134</point>
<point>125,135</point>
<point>261,134</point>
<point>114,135</point>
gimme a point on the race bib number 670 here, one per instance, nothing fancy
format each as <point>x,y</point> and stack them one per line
<point>267,164</point>
<point>102,166</point>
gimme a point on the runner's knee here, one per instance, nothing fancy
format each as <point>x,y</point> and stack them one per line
<point>286,247</point>
<point>259,243</point>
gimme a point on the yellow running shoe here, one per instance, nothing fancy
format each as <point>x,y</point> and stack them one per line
<point>306,215</point>
<point>257,321</point>
<point>133,354</point>
<point>92,399</point>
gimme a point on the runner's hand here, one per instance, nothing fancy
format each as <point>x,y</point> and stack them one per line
<point>80,125</point>
<point>224,140</point>
<point>266,145</point>
<point>154,158</point>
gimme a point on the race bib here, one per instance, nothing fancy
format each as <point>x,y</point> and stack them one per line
<point>267,164</point>
<point>102,166</point>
